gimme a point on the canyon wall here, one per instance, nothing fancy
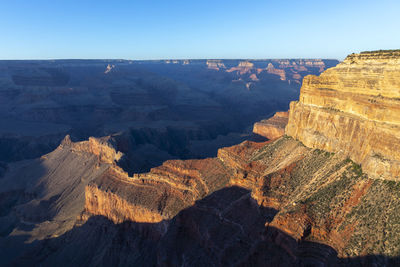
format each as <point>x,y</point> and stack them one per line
<point>103,148</point>
<point>155,196</point>
<point>273,127</point>
<point>354,108</point>
<point>280,202</point>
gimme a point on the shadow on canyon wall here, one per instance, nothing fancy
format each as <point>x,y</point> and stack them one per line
<point>43,101</point>
<point>145,149</point>
<point>225,228</point>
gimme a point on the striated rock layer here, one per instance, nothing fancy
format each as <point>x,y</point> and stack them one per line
<point>272,128</point>
<point>316,207</point>
<point>256,204</point>
<point>275,203</point>
<point>154,196</point>
<point>354,108</point>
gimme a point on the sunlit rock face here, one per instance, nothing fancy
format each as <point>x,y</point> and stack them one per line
<point>215,64</point>
<point>100,147</point>
<point>273,127</point>
<point>275,203</point>
<point>154,196</point>
<point>256,204</point>
<point>354,108</point>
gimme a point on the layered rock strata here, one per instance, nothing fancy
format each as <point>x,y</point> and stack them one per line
<point>103,148</point>
<point>280,202</point>
<point>273,127</point>
<point>320,204</point>
<point>275,202</point>
<point>354,108</point>
<point>154,196</point>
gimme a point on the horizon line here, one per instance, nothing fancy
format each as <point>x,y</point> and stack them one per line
<point>165,59</point>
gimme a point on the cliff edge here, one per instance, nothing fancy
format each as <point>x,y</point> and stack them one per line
<point>354,108</point>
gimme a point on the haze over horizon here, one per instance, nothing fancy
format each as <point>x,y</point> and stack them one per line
<point>199,133</point>
<point>186,30</point>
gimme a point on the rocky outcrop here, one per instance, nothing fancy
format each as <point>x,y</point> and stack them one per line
<point>288,70</point>
<point>276,202</point>
<point>354,108</point>
<point>115,208</point>
<point>280,202</point>
<point>242,68</point>
<point>326,208</point>
<point>320,205</point>
<point>100,147</point>
<point>154,196</point>
<point>280,72</point>
<point>109,68</point>
<point>273,127</point>
<point>42,198</point>
<point>215,64</point>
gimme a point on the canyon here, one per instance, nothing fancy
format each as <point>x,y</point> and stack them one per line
<point>321,190</point>
<point>164,109</point>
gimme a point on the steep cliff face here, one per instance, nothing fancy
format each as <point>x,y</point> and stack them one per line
<point>265,204</point>
<point>323,207</point>
<point>157,195</point>
<point>103,148</point>
<point>317,207</point>
<point>273,127</point>
<point>354,108</point>
<point>281,202</point>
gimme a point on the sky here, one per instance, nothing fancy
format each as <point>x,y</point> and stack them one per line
<point>191,29</point>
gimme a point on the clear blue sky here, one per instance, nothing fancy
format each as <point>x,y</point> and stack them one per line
<point>48,29</point>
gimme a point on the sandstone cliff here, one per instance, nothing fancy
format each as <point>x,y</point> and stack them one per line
<point>354,108</point>
<point>154,196</point>
<point>317,207</point>
<point>282,202</point>
<point>323,209</point>
<point>103,148</point>
<point>273,127</point>
<point>268,203</point>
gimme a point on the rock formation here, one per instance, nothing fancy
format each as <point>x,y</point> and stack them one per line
<point>321,206</point>
<point>43,101</point>
<point>242,68</point>
<point>280,72</point>
<point>215,64</point>
<point>109,68</point>
<point>327,209</point>
<point>354,108</point>
<point>273,127</point>
<point>103,148</point>
<point>300,199</point>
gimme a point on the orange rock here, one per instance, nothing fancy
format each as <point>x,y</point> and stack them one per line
<point>354,108</point>
<point>273,127</point>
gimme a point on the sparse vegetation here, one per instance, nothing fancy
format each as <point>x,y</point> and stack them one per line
<point>390,51</point>
<point>376,218</point>
<point>379,156</point>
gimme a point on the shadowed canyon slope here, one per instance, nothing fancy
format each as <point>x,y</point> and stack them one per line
<point>300,199</point>
<point>164,109</point>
